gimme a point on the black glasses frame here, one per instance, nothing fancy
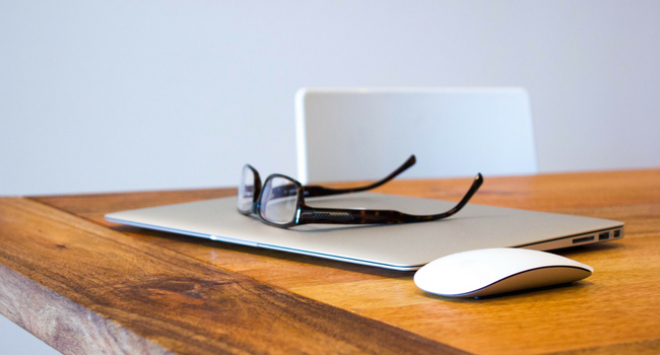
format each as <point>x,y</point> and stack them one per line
<point>318,191</point>
<point>307,214</point>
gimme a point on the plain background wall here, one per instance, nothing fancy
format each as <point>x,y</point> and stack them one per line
<point>14,340</point>
<point>134,95</point>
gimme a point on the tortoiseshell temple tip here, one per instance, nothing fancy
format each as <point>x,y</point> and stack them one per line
<point>479,180</point>
<point>476,184</point>
<point>412,160</point>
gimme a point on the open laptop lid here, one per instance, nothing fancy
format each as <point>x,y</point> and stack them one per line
<point>399,246</point>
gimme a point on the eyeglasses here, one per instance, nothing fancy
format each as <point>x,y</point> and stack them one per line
<point>281,201</point>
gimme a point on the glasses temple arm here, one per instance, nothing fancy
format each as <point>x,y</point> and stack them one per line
<point>476,184</point>
<point>316,191</point>
<point>350,216</point>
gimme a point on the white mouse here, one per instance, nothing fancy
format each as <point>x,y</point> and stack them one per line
<point>484,272</point>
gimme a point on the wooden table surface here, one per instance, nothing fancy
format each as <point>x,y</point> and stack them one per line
<point>87,286</point>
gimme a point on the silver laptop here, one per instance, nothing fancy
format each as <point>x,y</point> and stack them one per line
<point>402,247</point>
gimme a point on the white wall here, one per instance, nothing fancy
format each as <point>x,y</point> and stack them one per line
<point>15,340</point>
<point>134,95</point>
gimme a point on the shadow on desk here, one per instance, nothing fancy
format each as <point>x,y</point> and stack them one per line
<point>202,249</point>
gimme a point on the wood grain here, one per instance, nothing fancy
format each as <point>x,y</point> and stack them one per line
<point>96,289</point>
<point>63,323</point>
<point>614,309</point>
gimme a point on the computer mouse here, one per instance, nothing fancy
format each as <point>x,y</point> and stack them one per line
<point>486,272</point>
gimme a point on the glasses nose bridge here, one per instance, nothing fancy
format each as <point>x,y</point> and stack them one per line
<point>256,195</point>
<point>257,187</point>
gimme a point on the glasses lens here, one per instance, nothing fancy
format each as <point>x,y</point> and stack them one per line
<point>246,190</point>
<point>279,200</point>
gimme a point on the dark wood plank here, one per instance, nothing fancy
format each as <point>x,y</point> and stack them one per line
<point>160,301</point>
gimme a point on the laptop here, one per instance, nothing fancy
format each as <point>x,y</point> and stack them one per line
<point>403,247</point>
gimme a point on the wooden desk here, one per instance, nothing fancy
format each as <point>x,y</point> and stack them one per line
<point>85,286</point>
